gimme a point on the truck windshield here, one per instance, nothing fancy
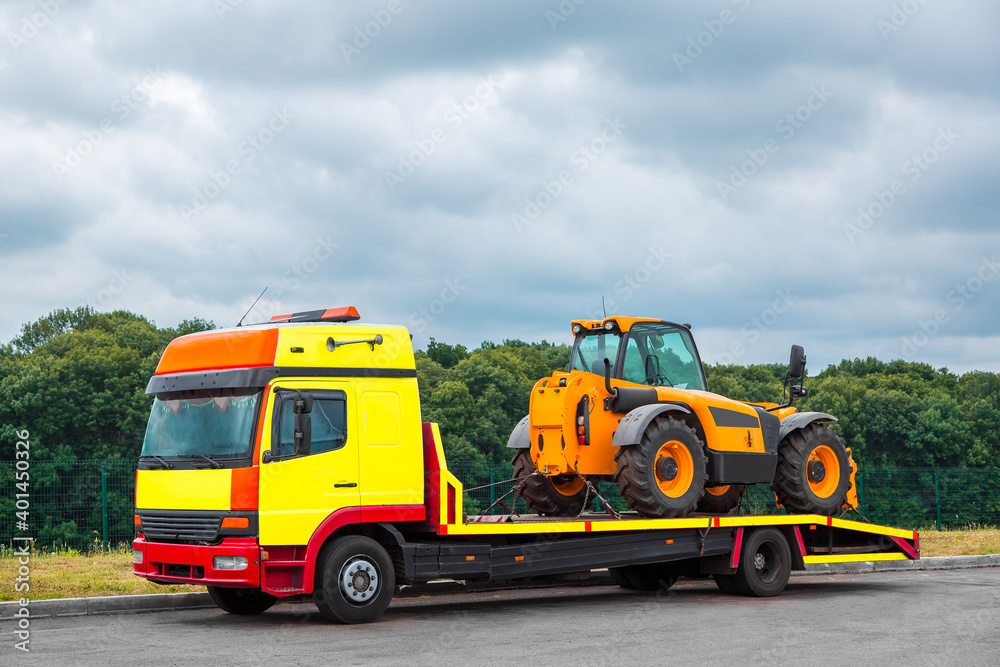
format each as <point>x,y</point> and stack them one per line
<point>216,423</point>
<point>590,351</point>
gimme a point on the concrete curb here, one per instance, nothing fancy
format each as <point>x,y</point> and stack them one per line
<point>123,604</point>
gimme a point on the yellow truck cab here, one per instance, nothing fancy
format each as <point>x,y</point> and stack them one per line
<point>289,458</point>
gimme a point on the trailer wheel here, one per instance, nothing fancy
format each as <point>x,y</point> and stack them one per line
<point>556,496</point>
<point>664,475</point>
<point>726,583</point>
<point>814,474</point>
<point>721,499</point>
<point>354,580</point>
<point>765,563</point>
<point>241,601</point>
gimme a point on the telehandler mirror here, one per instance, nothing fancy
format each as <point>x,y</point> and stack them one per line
<point>797,363</point>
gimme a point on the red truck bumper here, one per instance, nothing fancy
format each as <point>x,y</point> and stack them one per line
<point>193,564</point>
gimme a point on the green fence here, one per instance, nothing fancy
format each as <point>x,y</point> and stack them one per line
<point>89,504</point>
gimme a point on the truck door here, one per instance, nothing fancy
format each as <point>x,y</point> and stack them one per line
<point>297,492</point>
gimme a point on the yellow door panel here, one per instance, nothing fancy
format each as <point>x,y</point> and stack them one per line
<point>391,474</point>
<point>183,489</point>
<point>298,494</point>
<point>381,418</point>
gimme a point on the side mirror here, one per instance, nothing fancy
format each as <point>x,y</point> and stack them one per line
<point>303,403</point>
<point>797,363</point>
<point>302,435</point>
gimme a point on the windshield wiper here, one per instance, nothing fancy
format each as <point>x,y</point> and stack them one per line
<point>164,464</point>
<point>212,463</point>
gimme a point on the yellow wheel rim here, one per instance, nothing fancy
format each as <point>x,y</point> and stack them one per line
<point>823,478</point>
<point>717,490</point>
<point>570,487</point>
<point>678,485</point>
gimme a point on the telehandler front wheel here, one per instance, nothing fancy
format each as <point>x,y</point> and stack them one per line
<point>814,474</point>
<point>721,499</point>
<point>664,475</point>
<point>563,495</point>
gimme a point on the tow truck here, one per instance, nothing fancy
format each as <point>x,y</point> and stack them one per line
<point>289,459</point>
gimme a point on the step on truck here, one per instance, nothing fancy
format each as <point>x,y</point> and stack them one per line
<point>289,459</point>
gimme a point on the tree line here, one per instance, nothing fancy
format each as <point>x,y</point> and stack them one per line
<point>76,379</point>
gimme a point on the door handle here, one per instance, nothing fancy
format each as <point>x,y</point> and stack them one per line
<point>345,485</point>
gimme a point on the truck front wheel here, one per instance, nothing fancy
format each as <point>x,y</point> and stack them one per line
<point>354,580</point>
<point>241,601</point>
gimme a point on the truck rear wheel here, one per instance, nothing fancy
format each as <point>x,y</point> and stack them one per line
<point>241,601</point>
<point>814,474</point>
<point>562,495</point>
<point>354,580</point>
<point>765,563</point>
<point>721,499</point>
<point>647,577</point>
<point>664,475</point>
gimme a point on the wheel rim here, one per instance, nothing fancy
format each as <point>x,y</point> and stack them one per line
<point>823,471</point>
<point>676,485</point>
<point>568,486</point>
<point>359,580</point>
<point>717,490</point>
<point>766,562</point>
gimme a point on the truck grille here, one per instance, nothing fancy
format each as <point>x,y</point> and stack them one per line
<point>181,526</point>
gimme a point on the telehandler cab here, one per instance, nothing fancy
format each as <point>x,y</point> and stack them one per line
<point>634,407</point>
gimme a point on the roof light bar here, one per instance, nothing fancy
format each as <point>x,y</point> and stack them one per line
<point>345,314</point>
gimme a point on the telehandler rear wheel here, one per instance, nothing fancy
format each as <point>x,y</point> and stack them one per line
<point>721,499</point>
<point>664,475</point>
<point>814,474</point>
<point>555,496</point>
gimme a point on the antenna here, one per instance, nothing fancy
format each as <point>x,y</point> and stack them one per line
<point>604,307</point>
<point>240,323</point>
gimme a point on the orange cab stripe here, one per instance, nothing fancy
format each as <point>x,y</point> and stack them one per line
<point>211,350</point>
<point>243,491</point>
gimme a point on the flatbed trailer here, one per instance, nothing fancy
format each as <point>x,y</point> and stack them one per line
<point>366,503</point>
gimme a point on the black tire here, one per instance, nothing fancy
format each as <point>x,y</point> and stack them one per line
<point>618,576</point>
<point>726,583</point>
<point>795,484</point>
<point>241,601</point>
<point>765,563</point>
<point>540,493</point>
<point>649,577</point>
<point>640,483</point>
<point>723,502</point>
<point>354,580</point>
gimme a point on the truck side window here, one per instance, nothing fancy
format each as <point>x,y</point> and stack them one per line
<point>329,424</point>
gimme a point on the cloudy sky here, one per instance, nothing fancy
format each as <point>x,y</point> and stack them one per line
<point>820,173</point>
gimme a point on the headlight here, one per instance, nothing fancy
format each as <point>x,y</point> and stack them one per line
<point>577,328</point>
<point>230,563</point>
<point>609,325</point>
<point>137,556</point>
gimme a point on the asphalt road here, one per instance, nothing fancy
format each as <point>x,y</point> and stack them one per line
<point>913,618</point>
